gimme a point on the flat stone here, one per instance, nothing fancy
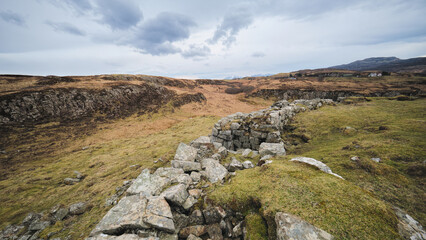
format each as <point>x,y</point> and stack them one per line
<point>176,194</point>
<point>159,222</point>
<point>186,166</point>
<point>247,164</point>
<point>214,170</point>
<point>185,153</point>
<point>121,237</point>
<point>61,213</point>
<point>197,231</point>
<point>158,206</point>
<point>355,158</point>
<point>292,227</point>
<point>147,184</point>
<point>38,225</point>
<point>129,211</point>
<point>274,149</point>
<point>318,164</point>
<point>169,172</point>
<point>203,140</point>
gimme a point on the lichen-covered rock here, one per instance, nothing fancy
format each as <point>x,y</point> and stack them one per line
<point>196,176</point>
<point>318,164</point>
<point>214,171</point>
<point>292,227</point>
<point>273,149</point>
<point>159,215</point>
<point>78,208</point>
<point>186,166</point>
<point>147,184</point>
<point>203,140</point>
<point>185,153</point>
<point>176,194</point>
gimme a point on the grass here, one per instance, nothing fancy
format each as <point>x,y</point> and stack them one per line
<point>37,186</point>
<point>360,206</point>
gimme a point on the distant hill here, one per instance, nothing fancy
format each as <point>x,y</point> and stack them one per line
<point>389,64</point>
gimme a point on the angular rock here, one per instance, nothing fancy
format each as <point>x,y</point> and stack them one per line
<point>196,177</point>
<point>196,193</point>
<point>125,236</point>
<point>212,215</point>
<point>78,175</point>
<point>129,212</point>
<point>248,164</point>
<point>196,218</point>
<point>377,160</point>
<point>186,166</point>
<point>158,206</point>
<point>31,217</point>
<point>197,231</point>
<point>167,236</point>
<point>38,225</point>
<point>169,172</point>
<point>190,201</point>
<point>355,158</point>
<point>183,179</point>
<point>181,220</point>
<point>78,208</point>
<point>203,140</point>
<point>235,165</point>
<point>185,153</point>
<point>223,152</point>
<point>318,164</point>
<point>274,149</point>
<point>292,227</point>
<point>246,152</point>
<point>61,213</point>
<point>215,232</point>
<point>214,170</point>
<point>238,230</point>
<point>147,184</point>
<point>409,228</point>
<point>176,194</point>
<point>159,222</point>
<point>217,145</point>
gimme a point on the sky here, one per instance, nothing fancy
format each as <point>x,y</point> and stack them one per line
<point>203,39</point>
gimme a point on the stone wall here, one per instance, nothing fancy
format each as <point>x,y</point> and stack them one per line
<point>241,130</point>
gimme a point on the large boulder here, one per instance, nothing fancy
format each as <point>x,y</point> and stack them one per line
<point>273,149</point>
<point>292,227</point>
<point>128,212</point>
<point>318,164</point>
<point>147,184</point>
<point>214,171</point>
<point>185,153</point>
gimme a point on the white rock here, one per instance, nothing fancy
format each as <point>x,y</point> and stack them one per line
<point>274,149</point>
<point>318,164</point>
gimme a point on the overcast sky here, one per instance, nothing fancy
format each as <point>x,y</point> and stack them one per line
<point>203,39</point>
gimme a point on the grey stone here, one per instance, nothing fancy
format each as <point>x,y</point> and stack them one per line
<point>189,202</point>
<point>197,231</point>
<point>235,126</point>
<point>215,232</point>
<point>409,228</point>
<point>266,157</point>
<point>167,236</point>
<point>203,140</point>
<point>176,194</point>
<point>217,145</point>
<point>196,176</point>
<point>78,175</point>
<point>185,153</point>
<point>318,164</point>
<point>235,165</point>
<point>31,217</point>
<point>196,193</point>
<point>169,172</point>
<point>186,166</point>
<point>292,227</point>
<point>274,149</point>
<point>196,218</point>
<point>158,206</point>
<point>61,213</point>
<point>217,156</point>
<point>147,184</point>
<point>247,164</point>
<point>214,170</point>
<point>78,208</point>
<point>223,152</point>
<point>71,181</point>
<point>38,225</point>
<point>246,152</point>
<point>355,158</point>
<point>181,220</point>
<point>377,160</point>
<point>238,230</point>
<point>212,215</point>
<point>193,237</point>
<point>125,236</point>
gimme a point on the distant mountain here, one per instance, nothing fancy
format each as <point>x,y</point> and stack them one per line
<point>389,64</point>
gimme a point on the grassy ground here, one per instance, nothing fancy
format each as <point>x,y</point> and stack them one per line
<point>37,186</point>
<point>360,207</point>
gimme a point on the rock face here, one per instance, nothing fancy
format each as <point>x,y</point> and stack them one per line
<point>292,227</point>
<point>318,164</point>
<point>409,228</point>
<point>248,131</point>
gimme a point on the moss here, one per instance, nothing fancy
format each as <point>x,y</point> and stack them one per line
<point>256,227</point>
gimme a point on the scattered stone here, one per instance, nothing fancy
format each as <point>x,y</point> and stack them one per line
<point>176,194</point>
<point>11,231</point>
<point>248,164</point>
<point>348,130</point>
<point>263,161</point>
<point>217,156</point>
<point>292,227</point>
<point>78,208</point>
<point>147,184</point>
<point>246,152</point>
<point>274,149</point>
<point>266,157</point>
<point>235,165</point>
<point>212,215</point>
<point>203,140</point>
<point>71,181</point>
<point>377,160</point>
<point>186,166</point>
<point>409,228</point>
<point>85,148</point>
<point>217,145</point>
<point>197,231</point>
<point>196,176</point>
<point>321,166</point>
<point>61,213</point>
<point>355,158</point>
<point>214,170</point>
<point>125,236</point>
<point>196,218</point>
<point>185,153</point>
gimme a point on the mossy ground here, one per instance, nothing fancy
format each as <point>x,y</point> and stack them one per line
<point>360,206</point>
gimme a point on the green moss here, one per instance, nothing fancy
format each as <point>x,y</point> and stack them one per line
<point>256,227</point>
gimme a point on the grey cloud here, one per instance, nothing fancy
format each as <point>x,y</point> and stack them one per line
<point>231,24</point>
<point>13,18</point>
<point>117,14</point>
<point>65,27</point>
<point>258,54</point>
<point>196,51</point>
<point>155,36</point>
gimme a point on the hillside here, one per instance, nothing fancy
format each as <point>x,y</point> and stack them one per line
<point>109,128</point>
<point>389,64</point>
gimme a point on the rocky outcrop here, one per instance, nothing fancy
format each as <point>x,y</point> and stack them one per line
<point>64,104</point>
<point>241,130</point>
<point>409,228</point>
<point>292,227</point>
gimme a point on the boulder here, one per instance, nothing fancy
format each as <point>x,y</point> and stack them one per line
<point>248,164</point>
<point>195,176</point>
<point>235,165</point>
<point>203,140</point>
<point>129,211</point>
<point>176,194</point>
<point>409,228</point>
<point>78,208</point>
<point>185,153</point>
<point>292,227</point>
<point>186,166</point>
<point>61,213</point>
<point>159,215</point>
<point>318,164</point>
<point>147,184</point>
<point>214,170</point>
<point>274,149</point>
